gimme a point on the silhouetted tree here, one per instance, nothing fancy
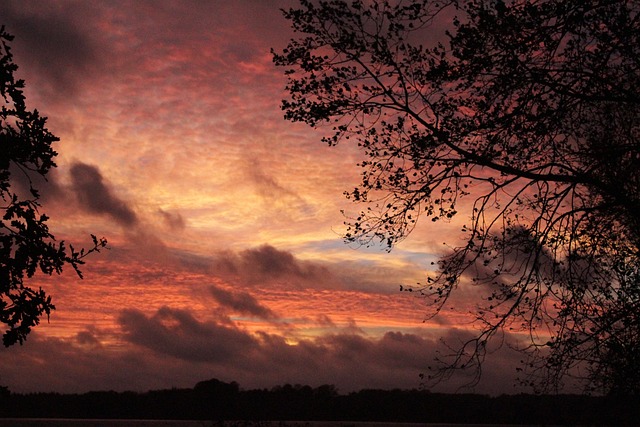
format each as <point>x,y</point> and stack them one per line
<point>530,110</point>
<point>26,245</point>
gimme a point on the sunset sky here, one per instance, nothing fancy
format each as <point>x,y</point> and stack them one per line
<point>224,220</point>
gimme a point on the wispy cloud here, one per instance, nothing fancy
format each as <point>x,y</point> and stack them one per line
<point>172,220</point>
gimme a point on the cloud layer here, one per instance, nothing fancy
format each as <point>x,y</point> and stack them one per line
<point>172,344</point>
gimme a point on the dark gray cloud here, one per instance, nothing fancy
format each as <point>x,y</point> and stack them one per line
<point>177,333</point>
<point>266,263</point>
<point>79,367</point>
<point>95,196</point>
<point>159,351</point>
<point>269,261</point>
<point>87,338</point>
<point>54,42</point>
<point>346,359</point>
<point>241,302</point>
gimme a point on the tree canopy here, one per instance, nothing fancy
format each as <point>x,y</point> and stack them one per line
<point>26,244</point>
<point>526,114</point>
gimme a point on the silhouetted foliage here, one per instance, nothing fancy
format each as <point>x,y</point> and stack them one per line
<point>305,403</point>
<point>26,245</point>
<point>530,110</point>
<point>219,398</point>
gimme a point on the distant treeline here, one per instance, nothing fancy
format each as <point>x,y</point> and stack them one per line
<point>216,400</point>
